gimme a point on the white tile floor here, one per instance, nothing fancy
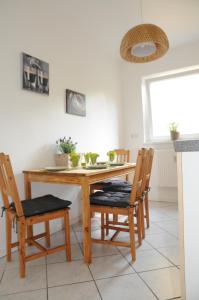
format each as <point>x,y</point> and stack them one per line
<point>112,275</point>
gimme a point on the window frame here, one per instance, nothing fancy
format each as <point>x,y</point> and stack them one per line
<point>146,104</point>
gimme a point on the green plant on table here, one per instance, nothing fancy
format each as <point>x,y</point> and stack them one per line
<point>111,155</point>
<point>66,145</point>
<point>87,157</point>
<point>93,158</point>
<point>74,157</point>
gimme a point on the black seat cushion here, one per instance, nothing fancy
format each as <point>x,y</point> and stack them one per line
<point>42,205</point>
<point>118,186</point>
<point>111,182</point>
<point>110,199</point>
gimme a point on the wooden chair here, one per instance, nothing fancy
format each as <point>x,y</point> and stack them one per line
<point>121,204</point>
<point>126,187</point>
<point>122,157</point>
<point>26,213</point>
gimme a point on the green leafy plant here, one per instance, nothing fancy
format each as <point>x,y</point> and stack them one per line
<point>174,133</point>
<point>74,157</point>
<point>87,157</point>
<point>111,155</point>
<point>173,127</point>
<point>93,158</point>
<point>66,145</point>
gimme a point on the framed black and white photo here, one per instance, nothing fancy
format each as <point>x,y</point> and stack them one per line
<point>75,103</point>
<point>35,74</point>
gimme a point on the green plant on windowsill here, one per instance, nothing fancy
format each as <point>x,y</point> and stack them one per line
<point>174,133</point>
<point>111,155</point>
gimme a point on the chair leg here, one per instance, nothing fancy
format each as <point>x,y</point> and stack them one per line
<point>102,226</point>
<point>139,224</point>
<point>8,237</point>
<point>132,234</point>
<point>47,230</point>
<point>29,233</point>
<point>146,204</point>
<point>67,236</point>
<point>92,215</point>
<point>22,237</point>
<point>142,218</point>
<point>107,223</point>
<point>115,218</point>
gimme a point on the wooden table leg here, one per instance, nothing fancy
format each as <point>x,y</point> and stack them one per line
<point>86,221</point>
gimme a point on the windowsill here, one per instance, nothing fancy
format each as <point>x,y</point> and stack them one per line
<point>168,143</point>
<point>161,144</point>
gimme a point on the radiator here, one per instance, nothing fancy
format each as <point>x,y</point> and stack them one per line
<point>164,172</point>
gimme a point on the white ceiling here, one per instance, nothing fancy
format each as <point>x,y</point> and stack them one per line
<point>106,21</point>
<point>101,24</point>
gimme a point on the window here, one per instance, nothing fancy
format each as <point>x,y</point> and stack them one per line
<point>171,98</point>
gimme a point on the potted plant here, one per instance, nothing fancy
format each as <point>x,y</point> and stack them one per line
<point>111,155</point>
<point>74,157</point>
<point>93,158</point>
<point>174,133</point>
<point>87,158</point>
<point>64,147</point>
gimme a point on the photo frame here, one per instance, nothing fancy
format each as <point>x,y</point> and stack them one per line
<point>75,103</point>
<point>35,74</point>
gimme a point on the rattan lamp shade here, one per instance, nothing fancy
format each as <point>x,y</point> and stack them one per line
<point>144,34</point>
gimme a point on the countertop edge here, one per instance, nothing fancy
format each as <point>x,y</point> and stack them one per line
<point>186,145</point>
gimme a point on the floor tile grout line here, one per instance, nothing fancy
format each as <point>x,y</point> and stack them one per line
<point>163,268</point>
<point>161,246</point>
<point>140,277</point>
<point>161,254</point>
<point>90,272</point>
<point>166,257</point>
<point>23,292</point>
<point>173,235</point>
<point>3,273</point>
<point>163,229</point>
<point>138,273</point>
<point>115,276</point>
<point>58,262</point>
<point>95,283</point>
<point>72,283</point>
<point>173,298</point>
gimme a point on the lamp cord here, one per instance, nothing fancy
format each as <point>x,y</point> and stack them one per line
<point>141,15</point>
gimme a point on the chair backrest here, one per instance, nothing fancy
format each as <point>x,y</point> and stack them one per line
<point>123,155</point>
<point>145,168</point>
<point>136,191</point>
<point>149,169</point>
<point>8,185</point>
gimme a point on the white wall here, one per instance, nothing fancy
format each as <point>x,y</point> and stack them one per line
<point>188,165</point>
<point>30,123</point>
<point>132,75</point>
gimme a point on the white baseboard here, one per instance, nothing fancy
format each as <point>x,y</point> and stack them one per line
<point>168,194</point>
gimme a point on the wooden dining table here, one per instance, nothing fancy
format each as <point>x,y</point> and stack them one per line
<point>84,178</point>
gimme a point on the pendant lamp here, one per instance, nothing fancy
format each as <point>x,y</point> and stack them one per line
<point>144,43</point>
